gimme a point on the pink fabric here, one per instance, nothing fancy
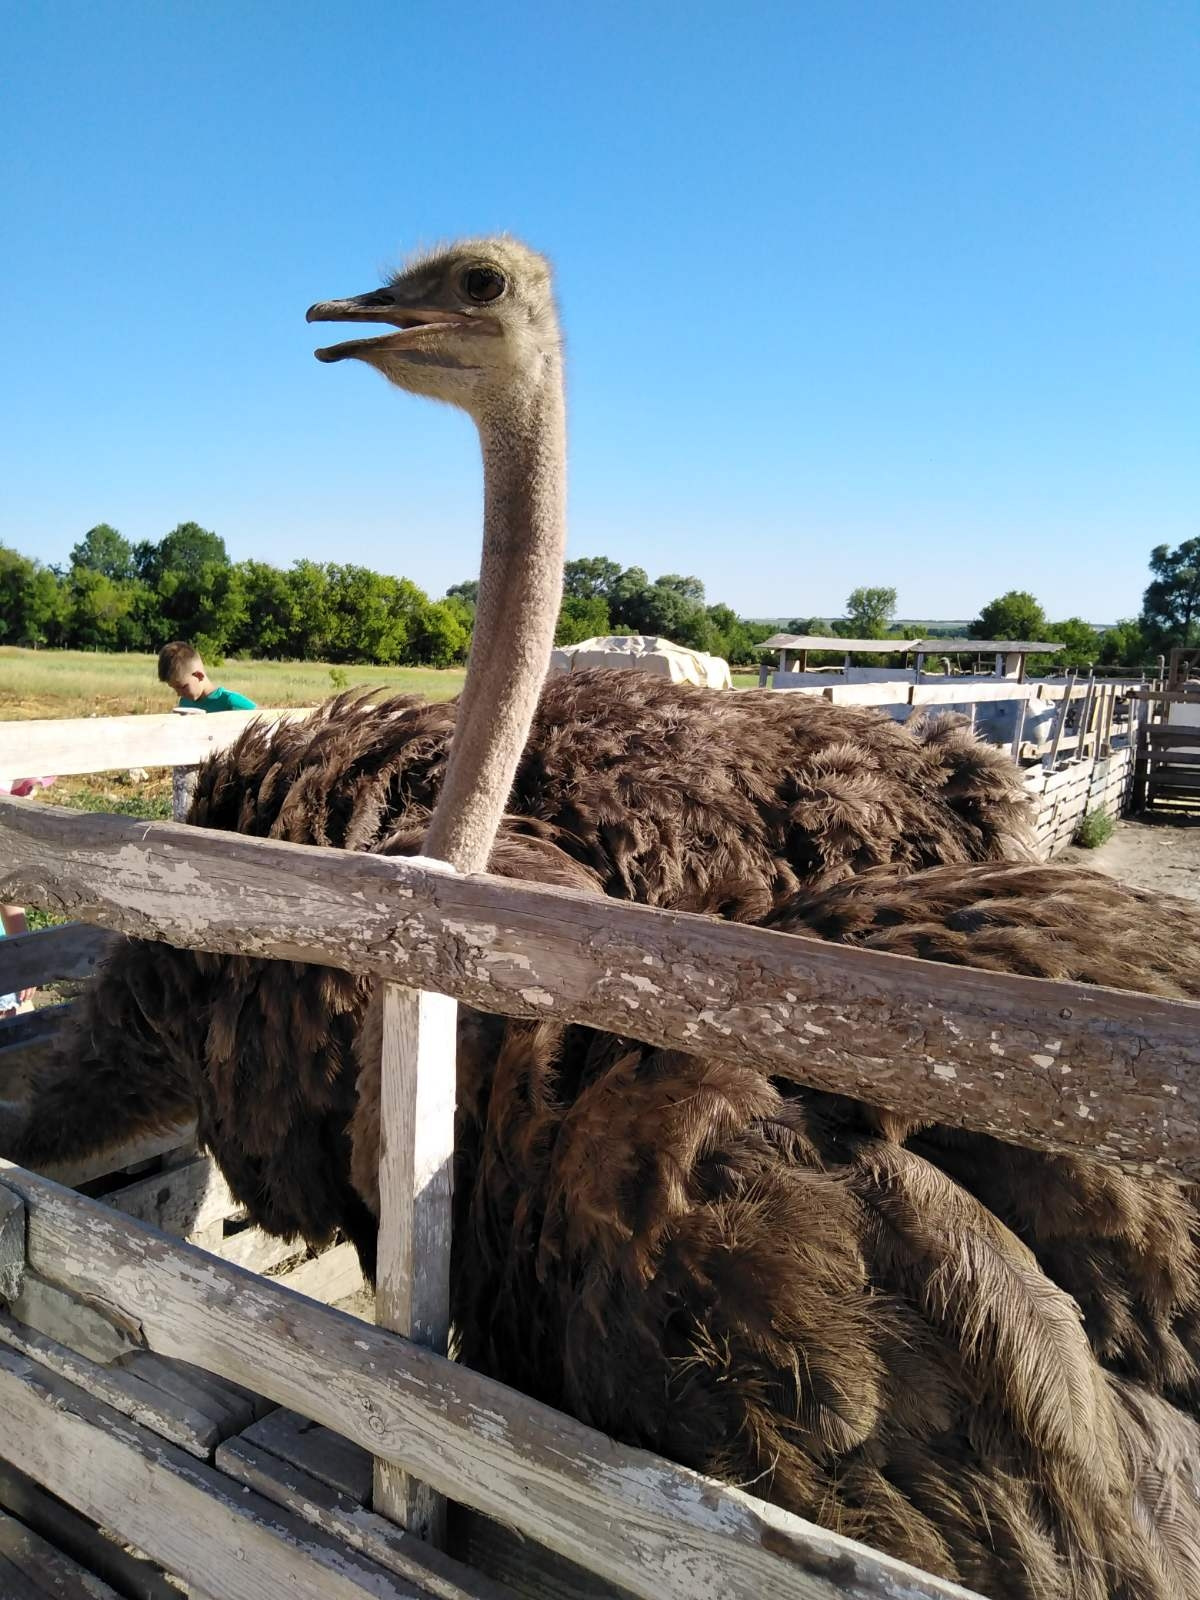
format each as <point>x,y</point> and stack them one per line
<point>23,787</point>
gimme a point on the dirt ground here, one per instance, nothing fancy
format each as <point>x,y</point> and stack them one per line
<point>1151,852</point>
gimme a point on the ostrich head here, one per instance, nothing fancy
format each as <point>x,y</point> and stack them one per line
<point>477,325</point>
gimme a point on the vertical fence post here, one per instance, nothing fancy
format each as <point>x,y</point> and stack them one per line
<point>1022,708</point>
<point>1085,717</point>
<point>1061,720</point>
<point>183,786</point>
<point>416,1154</point>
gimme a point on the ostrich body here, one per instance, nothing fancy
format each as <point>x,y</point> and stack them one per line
<point>862,1318</point>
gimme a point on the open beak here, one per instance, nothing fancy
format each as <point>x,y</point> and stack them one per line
<point>416,323</point>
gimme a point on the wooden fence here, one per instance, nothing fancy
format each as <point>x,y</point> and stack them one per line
<point>1053,1065</point>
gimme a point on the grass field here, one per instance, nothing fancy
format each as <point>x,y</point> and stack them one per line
<point>80,683</point>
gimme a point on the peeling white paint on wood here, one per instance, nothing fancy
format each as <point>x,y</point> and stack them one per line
<point>636,1520</point>
<point>864,1024</point>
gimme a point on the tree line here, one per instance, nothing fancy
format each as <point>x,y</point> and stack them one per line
<point>114,595</point>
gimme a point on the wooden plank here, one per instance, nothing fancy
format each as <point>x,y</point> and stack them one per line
<point>183,787</point>
<point>255,1250</point>
<point>183,1200</point>
<point>32,1027</point>
<point>440,1575</point>
<point>133,1576</point>
<point>1060,723</point>
<point>16,1585</point>
<point>70,745</point>
<point>417,1092</point>
<point>1160,758</point>
<point>961,692</point>
<point>530,1571</point>
<point>52,955</point>
<point>679,1536</point>
<point>122,1389</point>
<point>203,1392</point>
<point>948,1044</point>
<point>49,1571</point>
<point>331,1276</point>
<point>318,1451</point>
<point>190,1517</point>
<point>69,1319</point>
<point>12,1245</point>
<point>1174,778</point>
<point>1164,734</point>
<point>131,1154</point>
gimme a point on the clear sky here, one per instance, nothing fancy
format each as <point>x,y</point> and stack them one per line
<point>854,293</point>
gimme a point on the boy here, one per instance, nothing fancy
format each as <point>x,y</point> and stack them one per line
<point>179,664</point>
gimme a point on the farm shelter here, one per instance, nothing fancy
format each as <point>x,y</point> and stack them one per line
<point>224,1422</point>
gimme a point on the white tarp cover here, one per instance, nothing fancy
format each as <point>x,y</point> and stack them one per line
<point>644,653</point>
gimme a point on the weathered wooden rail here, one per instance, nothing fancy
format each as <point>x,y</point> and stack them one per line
<point>1058,1066</point>
<point>1061,1066</point>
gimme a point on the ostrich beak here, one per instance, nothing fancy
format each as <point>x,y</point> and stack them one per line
<point>381,305</point>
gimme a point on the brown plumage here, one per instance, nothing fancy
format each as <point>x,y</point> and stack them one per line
<point>873,1324</point>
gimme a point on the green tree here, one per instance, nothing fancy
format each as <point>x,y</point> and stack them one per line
<point>591,578</point>
<point>1124,645</point>
<point>441,636</point>
<point>99,610</point>
<point>1081,643</point>
<point>308,584</point>
<point>581,618</point>
<point>690,588</point>
<point>1015,615</point>
<point>1171,603</point>
<point>869,612</point>
<point>468,592</point>
<point>102,549</point>
<point>33,601</point>
<point>267,621</point>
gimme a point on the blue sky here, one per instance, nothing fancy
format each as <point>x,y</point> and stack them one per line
<point>854,293</point>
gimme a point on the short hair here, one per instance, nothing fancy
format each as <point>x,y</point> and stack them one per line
<point>176,660</point>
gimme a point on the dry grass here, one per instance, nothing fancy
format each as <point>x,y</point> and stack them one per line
<point>82,683</point>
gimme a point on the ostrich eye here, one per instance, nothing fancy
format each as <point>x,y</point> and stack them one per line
<point>484,283</point>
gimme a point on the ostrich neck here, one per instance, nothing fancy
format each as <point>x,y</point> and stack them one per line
<point>520,587</point>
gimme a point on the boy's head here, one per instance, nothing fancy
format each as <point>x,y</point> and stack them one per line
<point>179,664</point>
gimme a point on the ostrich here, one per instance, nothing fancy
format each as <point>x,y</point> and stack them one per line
<point>774,1285</point>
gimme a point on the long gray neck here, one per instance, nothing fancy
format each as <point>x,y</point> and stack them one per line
<point>520,589</point>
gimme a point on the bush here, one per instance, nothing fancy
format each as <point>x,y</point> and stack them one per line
<point>1095,829</point>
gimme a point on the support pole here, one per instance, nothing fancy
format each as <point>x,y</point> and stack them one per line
<point>183,786</point>
<point>1061,722</point>
<point>416,1154</point>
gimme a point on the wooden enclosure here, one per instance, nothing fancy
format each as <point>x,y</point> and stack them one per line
<point>204,1402</point>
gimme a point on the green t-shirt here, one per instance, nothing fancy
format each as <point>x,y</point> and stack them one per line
<point>219,700</point>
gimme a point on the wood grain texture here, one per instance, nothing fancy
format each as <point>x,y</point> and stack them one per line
<point>184,1200</point>
<point>1057,1066</point>
<point>288,1484</point>
<point>182,1424</point>
<point>52,955</point>
<point>640,1522</point>
<point>132,1576</point>
<point>416,1157</point>
<point>12,1245</point>
<point>50,1571</point>
<point>69,745</point>
<point>186,1515</point>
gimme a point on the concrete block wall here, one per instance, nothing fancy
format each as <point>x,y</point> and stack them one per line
<point>1064,796</point>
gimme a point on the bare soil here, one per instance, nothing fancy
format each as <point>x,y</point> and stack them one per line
<point>1155,852</point>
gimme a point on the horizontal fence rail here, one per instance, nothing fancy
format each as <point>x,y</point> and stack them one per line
<point>66,747</point>
<point>1057,1066</point>
<point>636,1519</point>
<point>51,955</point>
